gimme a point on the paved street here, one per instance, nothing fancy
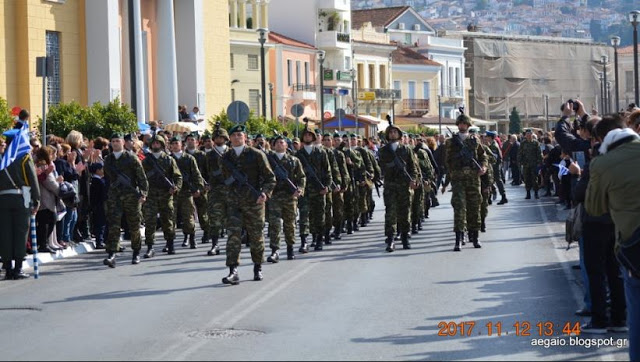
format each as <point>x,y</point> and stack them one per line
<point>353,301</point>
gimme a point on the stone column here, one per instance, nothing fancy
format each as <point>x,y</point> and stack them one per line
<point>243,14</point>
<point>103,53</point>
<point>190,46</point>
<point>233,6</point>
<point>167,72</point>
<point>141,87</point>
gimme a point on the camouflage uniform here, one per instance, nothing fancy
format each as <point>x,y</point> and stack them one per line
<point>466,197</point>
<point>365,191</point>
<point>427,175</point>
<point>497,153</point>
<point>191,182</point>
<point>336,176</point>
<point>243,211</point>
<point>397,188</point>
<point>339,197</point>
<point>486,181</point>
<point>217,203</point>
<point>312,204</point>
<point>282,205</point>
<point>530,157</point>
<point>124,198</point>
<point>201,202</point>
<point>355,205</point>
<point>159,199</point>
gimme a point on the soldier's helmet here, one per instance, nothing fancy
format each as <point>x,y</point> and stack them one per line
<point>221,132</point>
<point>308,130</point>
<point>463,118</point>
<point>474,129</point>
<point>386,132</point>
<point>160,139</point>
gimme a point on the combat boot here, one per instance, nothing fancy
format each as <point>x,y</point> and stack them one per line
<point>205,238</point>
<point>318,239</point>
<point>257,272</point>
<point>473,237</point>
<point>483,226</point>
<point>327,237</point>
<point>233,277</point>
<point>397,237</point>
<point>489,201</point>
<point>434,203</point>
<point>349,228</point>
<point>459,236</point>
<point>274,257</point>
<point>343,226</point>
<point>390,244</point>
<point>185,242</point>
<point>364,220</point>
<point>313,240</point>
<point>535,194</point>
<point>192,241</point>
<point>290,254</point>
<point>304,248</point>
<point>504,200</point>
<point>215,249</point>
<point>420,225</point>
<point>166,247</point>
<point>110,261</point>
<point>336,234</point>
<point>150,252</point>
<point>462,238</point>
<point>135,259</point>
<point>355,225</point>
<point>528,195</point>
<point>171,249</point>
<point>405,241</point>
<point>414,228</point>
<point>17,271</point>
<point>8,270</point>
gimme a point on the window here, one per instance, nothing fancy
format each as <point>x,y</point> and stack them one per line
<point>407,39</point>
<point>412,90</point>
<point>298,70</point>
<point>289,72</point>
<point>306,73</point>
<point>254,99</point>
<point>347,63</point>
<point>628,77</point>
<point>253,62</point>
<point>53,82</point>
<point>426,90</point>
<point>397,85</point>
<point>457,85</point>
<point>231,59</point>
<point>383,77</point>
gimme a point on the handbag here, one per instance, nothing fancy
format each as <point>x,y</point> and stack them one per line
<point>628,255</point>
<point>61,210</point>
<point>573,224</point>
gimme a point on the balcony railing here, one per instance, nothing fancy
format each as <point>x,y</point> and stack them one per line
<point>415,104</point>
<point>343,37</point>
<point>304,87</point>
<point>383,94</point>
<point>453,92</point>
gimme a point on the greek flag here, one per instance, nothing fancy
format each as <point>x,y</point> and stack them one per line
<point>18,147</point>
<point>562,170</point>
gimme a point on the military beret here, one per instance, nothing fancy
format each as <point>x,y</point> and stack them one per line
<point>205,137</point>
<point>193,134</point>
<point>528,130</point>
<point>491,134</point>
<point>326,134</point>
<point>353,135</point>
<point>128,137</point>
<point>175,139</point>
<point>278,137</point>
<point>238,128</point>
<point>318,131</point>
<point>474,129</point>
<point>259,135</point>
<point>412,136</point>
<point>117,135</point>
<point>336,134</point>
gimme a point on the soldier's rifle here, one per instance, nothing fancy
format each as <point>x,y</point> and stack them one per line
<point>124,180</point>
<point>465,152</point>
<point>376,183</point>
<point>401,165</point>
<point>310,171</point>
<point>281,173</point>
<point>157,172</point>
<point>237,176</point>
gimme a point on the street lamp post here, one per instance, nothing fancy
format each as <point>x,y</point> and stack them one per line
<point>263,38</point>
<point>321,55</point>
<point>354,95</point>
<point>271,99</point>
<point>601,76</point>
<point>615,41</point>
<point>634,18</point>
<point>608,93</point>
<point>439,115</point>
<point>604,59</point>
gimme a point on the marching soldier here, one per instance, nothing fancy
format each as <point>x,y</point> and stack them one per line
<point>355,201</point>
<point>335,187</point>
<point>19,198</point>
<point>466,162</point>
<point>338,198</point>
<point>128,188</point>
<point>165,181</point>
<point>486,180</point>
<point>201,202</point>
<point>427,173</point>
<point>192,187</point>
<point>530,156</point>
<point>497,153</point>
<point>401,173</point>
<point>375,176</point>
<point>217,206</point>
<point>283,203</point>
<point>251,182</point>
<point>315,163</point>
<point>366,190</point>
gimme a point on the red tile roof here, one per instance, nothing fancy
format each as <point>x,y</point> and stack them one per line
<point>627,50</point>
<point>380,17</point>
<point>404,55</point>
<point>282,39</point>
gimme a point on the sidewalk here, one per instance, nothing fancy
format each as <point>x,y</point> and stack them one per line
<point>75,250</point>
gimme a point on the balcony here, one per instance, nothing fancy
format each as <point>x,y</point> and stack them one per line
<point>303,91</point>
<point>380,94</point>
<point>333,40</point>
<point>415,105</point>
<point>339,5</point>
<point>453,92</point>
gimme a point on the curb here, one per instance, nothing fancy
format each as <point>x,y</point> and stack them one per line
<point>44,258</point>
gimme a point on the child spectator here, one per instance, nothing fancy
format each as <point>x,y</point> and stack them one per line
<point>97,199</point>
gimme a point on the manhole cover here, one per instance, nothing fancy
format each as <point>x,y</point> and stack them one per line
<point>224,333</point>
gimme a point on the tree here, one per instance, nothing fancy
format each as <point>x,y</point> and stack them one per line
<point>515,126</point>
<point>6,121</point>
<point>254,124</point>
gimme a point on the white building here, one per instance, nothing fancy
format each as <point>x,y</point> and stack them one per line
<point>325,24</point>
